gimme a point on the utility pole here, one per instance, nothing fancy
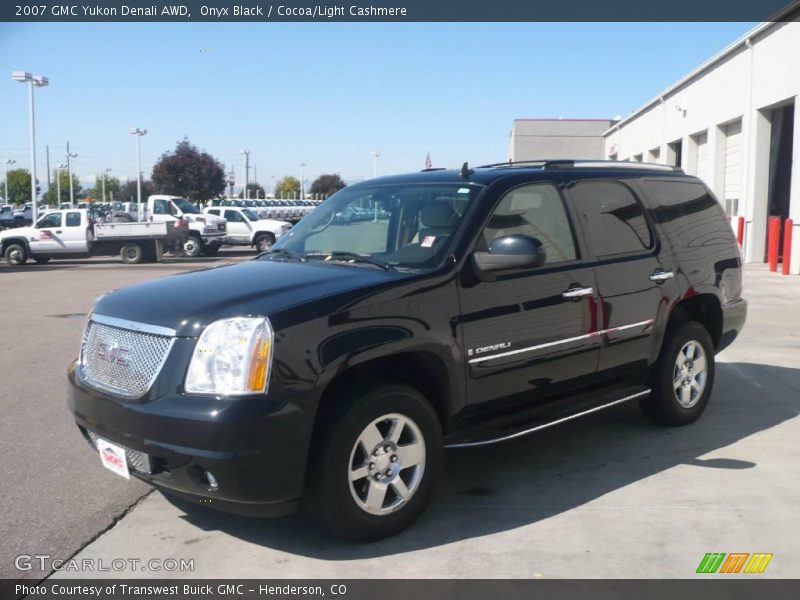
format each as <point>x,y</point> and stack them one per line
<point>8,161</point>
<point>302,166</point>
<point>47,153</point>
<point>59,168</point>
<point>70,156</point>
<point>138,133</point>
<point>37,81</point>
<point>375,154</point>
<point>246,154</point>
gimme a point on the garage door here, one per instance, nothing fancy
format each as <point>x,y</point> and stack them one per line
<point>733,166</point>
<point>701,168</point>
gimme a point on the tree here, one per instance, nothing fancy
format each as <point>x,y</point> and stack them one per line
<point>254,191</point>
<point>50,195</point>
<point>288,186</point>
<point>112,187</point>
<point>19,186</point>
<point>127,193</point>
<point>188,172</point>
<point>327,184</point>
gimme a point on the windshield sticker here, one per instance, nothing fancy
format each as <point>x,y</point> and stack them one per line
<point>428,241</point>
<point>463,190</point>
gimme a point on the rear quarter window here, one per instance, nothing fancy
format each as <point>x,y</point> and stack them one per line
<point>688,213</point>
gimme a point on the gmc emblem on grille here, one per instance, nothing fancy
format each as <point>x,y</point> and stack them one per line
<point>113,353</point>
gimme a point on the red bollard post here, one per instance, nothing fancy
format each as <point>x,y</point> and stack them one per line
<point>773,242</point>
<point>787,245</point>
<point>740,231</point>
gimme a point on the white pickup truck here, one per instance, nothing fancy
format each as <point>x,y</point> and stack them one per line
<point>206,232</point>
<point>245,228</point>
<point>71,233</point>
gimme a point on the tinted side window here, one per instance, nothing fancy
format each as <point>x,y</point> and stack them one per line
<point>160,207</point>
<point>536,210</point>
<point>233,216</point>
<point>613,220</point>
<point>688,212</point>
<point>51,220</point>
<point>73,219</point>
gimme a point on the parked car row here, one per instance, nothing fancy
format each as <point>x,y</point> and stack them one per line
<point>288,210</point>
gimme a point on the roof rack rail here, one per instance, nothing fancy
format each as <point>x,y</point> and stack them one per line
<point>511,163</point>
<point>433,169</point>
<point>601,164</point>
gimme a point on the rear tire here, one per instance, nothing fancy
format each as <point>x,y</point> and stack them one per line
<point>16,255</point>
<point>131,254</point>
<point>682,378</point>
<point>374,464</point>
<point>41,260</point>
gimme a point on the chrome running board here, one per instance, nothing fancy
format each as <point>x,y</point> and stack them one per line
<point>517,434</point>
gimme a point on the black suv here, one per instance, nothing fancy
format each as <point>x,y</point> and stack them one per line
<point>466,308</point>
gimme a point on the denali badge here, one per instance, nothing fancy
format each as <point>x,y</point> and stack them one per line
<point>500,346</point>
<point>113,353</point>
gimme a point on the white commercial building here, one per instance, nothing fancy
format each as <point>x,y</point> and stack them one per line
<point>734,122</point>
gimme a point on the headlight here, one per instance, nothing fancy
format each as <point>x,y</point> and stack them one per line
<point>232,357</point>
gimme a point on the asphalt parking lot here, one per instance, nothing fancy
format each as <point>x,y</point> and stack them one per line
<point>607,496</point>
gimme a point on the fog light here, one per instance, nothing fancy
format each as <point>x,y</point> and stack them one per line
<point>213,485</point>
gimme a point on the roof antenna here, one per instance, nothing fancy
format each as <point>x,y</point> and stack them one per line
<point>465,170</point>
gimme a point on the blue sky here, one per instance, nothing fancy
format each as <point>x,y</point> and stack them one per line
<point>327,94</point>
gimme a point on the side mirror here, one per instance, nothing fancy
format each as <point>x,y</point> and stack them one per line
<point>511,252</point>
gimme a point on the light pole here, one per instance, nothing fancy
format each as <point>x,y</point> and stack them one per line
<point>69,156</point>
<point>272,181</point>
<point>60,167</point>
<point>302,166</point>
<point>246,154</point>
<point>375,154</point>
<point>38,81</point>
<point>8,161</point>
<point>138,133</point>
<point>104,182</point>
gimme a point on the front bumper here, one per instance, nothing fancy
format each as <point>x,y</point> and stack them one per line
<point>254,447</point>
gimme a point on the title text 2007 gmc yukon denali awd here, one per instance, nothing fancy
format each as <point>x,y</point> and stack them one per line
<point>467,307</point>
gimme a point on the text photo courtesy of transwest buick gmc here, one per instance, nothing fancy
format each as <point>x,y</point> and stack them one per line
<point>471,307</point>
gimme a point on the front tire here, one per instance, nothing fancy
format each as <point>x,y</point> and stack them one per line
<point>682,378</point>
<point>41,260</point>
<point>264,242</point>
<point>16,255</point>
<point>374,465</point>
<point>192,247</point>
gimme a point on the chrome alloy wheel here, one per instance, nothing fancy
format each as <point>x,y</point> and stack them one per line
<point>690,374</point>
<point>386,464</point>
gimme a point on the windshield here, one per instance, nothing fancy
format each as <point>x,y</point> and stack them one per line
<point>405,225</point>
<point>186,206</point>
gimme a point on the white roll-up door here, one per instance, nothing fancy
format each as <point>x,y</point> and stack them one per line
<point>701,168</point>
<point>733,166</point>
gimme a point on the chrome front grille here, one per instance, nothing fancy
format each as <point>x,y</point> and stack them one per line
<point>138,461</point>
<point>122,361</point>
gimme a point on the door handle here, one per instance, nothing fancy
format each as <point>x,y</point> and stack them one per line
<point>660,276</point>
<point>577,292</point>
<point>58,231</point>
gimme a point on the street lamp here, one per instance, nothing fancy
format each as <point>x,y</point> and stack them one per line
<point>138,133</point>
<point>38,81</point>
<point>375,154</point>
<point>246,154</point>
<point>69,156</point>
<point>59,168</point>
<point>302,166</point>
<point>8,161</point>
<point>104,182</point>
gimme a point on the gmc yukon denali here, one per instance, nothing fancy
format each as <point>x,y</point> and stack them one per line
<point>472,307</point>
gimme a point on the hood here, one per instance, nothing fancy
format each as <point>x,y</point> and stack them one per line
<point>189,301</point>
<point>20,232</point>
<point>203,218</point>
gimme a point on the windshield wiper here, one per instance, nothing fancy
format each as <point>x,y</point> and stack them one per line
<point>353,256</point>
<point>283,252</point>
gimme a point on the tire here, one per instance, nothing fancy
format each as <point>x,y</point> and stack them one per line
<point>264,242</point>
<point>193,246</point>
<point>131,254</point>
<point>16,255</point>
<point>41,260</point>
<point>212,249</point>
<point>680,394</point>
<point>339,452</point>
